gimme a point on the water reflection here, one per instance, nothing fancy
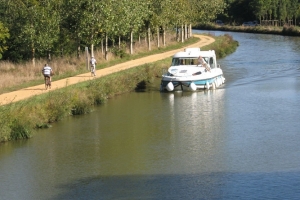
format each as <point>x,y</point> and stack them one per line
<point>196,122</point>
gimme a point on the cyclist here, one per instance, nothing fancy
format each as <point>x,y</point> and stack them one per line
<point>47,72</point>
<point>93,65</point>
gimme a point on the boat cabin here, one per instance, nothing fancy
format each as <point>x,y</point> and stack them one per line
<point>190,57</point>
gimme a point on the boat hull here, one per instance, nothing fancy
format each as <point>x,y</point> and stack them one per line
<point>184,83</point>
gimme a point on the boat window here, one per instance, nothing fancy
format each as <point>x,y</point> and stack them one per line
<point>191,61</point>
<point>205,59</point>
<point>211,62</point>
<point>184,61</point>
<point>176,61</point>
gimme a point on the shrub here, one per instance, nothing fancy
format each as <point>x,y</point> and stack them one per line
<point>81,104</point>
<point>5,128</point>
<point>57,105</point>
<point>120,52</point>
<point>19,130</point>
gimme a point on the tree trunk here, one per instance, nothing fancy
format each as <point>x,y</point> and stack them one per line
<point>78,51</point>
<point>164,36</point>
<point>78,48</point>
<point>131,42</point>
<point>106,47</point>
<point>177,33</point>
<point>185,32</point>
<point>157,36</point>
<point>149,40</point>
<point>49,56</point>
<point>182,33</point>
<point>102,47</point>
<point>33,56</point>
<point>119,42</point>
<point>92,50</point>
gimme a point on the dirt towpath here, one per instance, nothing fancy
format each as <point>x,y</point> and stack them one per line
<point>25,93</point>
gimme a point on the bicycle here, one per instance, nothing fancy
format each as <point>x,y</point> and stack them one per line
<point>47,82</point>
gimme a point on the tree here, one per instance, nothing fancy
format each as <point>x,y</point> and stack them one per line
<point>34,26</point>
<point>159,17</point>
<point>135,18</point>
<point>41,28</point>
<point>4,35</point>
<point>293,9</point>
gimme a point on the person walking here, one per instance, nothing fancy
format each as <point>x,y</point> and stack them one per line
<point>93,63</point>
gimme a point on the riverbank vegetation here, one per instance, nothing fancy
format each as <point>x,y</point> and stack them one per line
<point>276,30</point>
<point>280,17</point>
<point>277,13</point>
<point>19,120</point>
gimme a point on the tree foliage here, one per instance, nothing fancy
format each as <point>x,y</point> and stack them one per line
<point>4,35</point>
<point>40,28</point>
<point>279,10</point>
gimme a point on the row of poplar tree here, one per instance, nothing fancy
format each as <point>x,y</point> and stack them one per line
<point>32,29</point>
<point>36,28</point>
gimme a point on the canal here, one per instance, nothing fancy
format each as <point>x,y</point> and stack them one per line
<point>241,141</point>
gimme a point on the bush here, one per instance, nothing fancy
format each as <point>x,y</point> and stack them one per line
<point>5,128</point>
<point>81,103</point>
<point>57,105</point>
<point>223,46</point>
<point>19,130</point>
<point>120,52</point>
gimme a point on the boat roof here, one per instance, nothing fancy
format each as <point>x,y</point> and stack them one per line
<point>195,53</point>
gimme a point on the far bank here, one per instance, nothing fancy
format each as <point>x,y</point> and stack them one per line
<point>275,30</point>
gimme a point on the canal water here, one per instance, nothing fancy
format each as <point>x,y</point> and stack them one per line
<point>241,141</point>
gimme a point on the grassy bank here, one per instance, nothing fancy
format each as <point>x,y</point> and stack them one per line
<point>19,120</point>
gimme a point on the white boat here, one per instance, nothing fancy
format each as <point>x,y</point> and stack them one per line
<point>193,69</point>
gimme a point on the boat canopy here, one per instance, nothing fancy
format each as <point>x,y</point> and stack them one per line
<point>194,52</point>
